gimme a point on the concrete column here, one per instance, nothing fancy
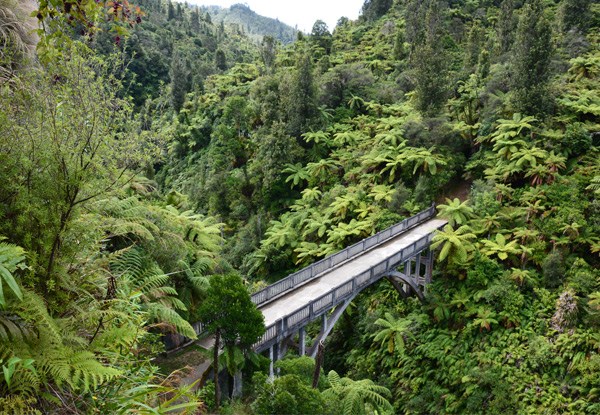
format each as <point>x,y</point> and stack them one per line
<point>324,323</point>
<point>302,341</point>
<point>271,356</point>
<point>429,267</point>
<point>274,356</point>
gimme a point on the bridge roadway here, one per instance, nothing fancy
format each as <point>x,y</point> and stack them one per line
<point>303,295</point>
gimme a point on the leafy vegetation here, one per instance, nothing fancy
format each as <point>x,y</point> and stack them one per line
<point>131,193</point>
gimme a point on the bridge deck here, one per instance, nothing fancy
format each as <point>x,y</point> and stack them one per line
<point>302,296</point>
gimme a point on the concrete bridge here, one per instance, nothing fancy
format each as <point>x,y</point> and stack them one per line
<point>324,289</point>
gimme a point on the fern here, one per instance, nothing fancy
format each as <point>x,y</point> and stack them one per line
<point>356,394</point>
<point>170,317</point>
<point>11,258</point>
<point>126,217</point>
<point>159,300</point>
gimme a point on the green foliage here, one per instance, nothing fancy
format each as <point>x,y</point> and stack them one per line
<point>303,367</point>
<point>79,148</point>
<point>287,394</point>
<point>456,211</point>
<point>356,396</point>
<point>11,259</point>
<point>509,324</point>
<point>532,53</point>
<point>228,306</point>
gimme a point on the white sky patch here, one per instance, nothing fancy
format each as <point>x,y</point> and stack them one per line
<point>303,13</point>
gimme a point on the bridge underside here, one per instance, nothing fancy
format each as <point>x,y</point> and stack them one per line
<point>408,277</point>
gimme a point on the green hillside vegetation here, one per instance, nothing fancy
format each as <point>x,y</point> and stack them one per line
<point>254,25</point>
<point>123,162</point>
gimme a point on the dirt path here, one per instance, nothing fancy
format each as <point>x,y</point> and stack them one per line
<point>461,190</point>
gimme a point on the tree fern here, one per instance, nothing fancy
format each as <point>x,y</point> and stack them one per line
<point>160,301</point>
<point>355,395</point>
<point>122,217</point>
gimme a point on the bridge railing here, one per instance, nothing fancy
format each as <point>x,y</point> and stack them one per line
<point>317,268</point>
<point>299,318</point>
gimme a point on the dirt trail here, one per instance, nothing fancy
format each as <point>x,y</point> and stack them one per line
<point>461,190</point>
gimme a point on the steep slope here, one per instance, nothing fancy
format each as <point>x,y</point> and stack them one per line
<point>253,24</point>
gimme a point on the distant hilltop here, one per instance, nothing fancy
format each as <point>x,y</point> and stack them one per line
<point>253,24</point>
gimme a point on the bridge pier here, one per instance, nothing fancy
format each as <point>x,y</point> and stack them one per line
<point>329,285</point>
<point>301,341</point>
<point>274,356</point>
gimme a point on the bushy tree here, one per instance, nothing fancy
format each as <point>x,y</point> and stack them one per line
<point>228,306</point>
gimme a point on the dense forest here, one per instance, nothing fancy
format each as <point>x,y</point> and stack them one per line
<point>157,165</point>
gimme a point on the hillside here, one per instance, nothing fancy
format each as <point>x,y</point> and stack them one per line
<point>148,176</point>
<point>254,25</point>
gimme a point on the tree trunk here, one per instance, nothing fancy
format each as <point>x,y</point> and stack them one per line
<point>216,367</point>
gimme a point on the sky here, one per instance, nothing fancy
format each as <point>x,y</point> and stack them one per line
<point>303,13</point>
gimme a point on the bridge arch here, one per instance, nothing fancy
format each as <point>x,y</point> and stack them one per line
<point>400,253</point>
<point>403,283</point>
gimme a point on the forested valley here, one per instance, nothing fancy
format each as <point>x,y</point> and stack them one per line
<point>158,165</point>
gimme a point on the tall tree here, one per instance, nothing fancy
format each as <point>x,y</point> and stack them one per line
<point>506,26</point>
<point>181,81</point>
<point>532,53</point>
<point>574,13</point>
<point>300,98</point>
<point>430,63</point>
<point>170,11</point>
<point>320,35</point>
<point>229,314</point>
<point>374,9</point>
<point>195,21</point>
<point>220,60</point>
<point>267,51</point>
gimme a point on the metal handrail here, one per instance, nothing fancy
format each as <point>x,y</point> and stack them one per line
<point>317,306</point>
<point>316,269</point>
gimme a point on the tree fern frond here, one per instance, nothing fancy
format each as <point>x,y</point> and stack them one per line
<point>126,216</point>
<point>162,314</point>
